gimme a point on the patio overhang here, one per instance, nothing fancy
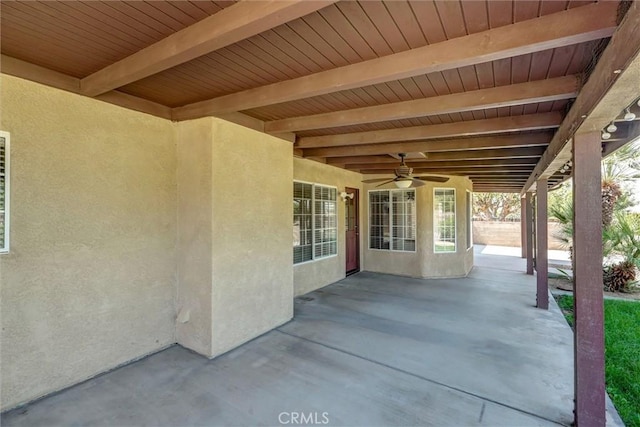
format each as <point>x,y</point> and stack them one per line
<point>492,91</point>
<point>304,72</point>
<point>611,88</point>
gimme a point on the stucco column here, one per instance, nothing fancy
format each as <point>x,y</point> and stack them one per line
<point>529,231</point>
<point>523,226</point>
<point>235,270</point>
<point>589,311</point>
<point>542,263</point>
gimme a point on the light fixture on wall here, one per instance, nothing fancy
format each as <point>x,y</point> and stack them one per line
<point>403,183</point>
<point>629,116</point>
<point>612,127</point>
<point>606,135</point>
<point>346,196</point>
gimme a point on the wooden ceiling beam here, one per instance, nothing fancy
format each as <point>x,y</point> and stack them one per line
<point>472,127</point>
<point>35,73</point>
<point>451,171</point>
<point>500,177</point>
<point>496,187</point>
<point>577,25</point>
<point>228,26</point>
<point>483,188</point>
<point>496,174</point>
<point>432,168</point>
<point>25,70</point>
<point>450,164</point>
<point>503,96</point>
<point>475,143</point>
<point>446,163</point>
<point>612,85</point>
<point>487,155</point>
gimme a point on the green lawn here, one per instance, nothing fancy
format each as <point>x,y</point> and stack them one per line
<point>622,352</point>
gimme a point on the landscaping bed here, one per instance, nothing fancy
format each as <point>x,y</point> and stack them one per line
<point>622,353</point>
<point>564,284</point>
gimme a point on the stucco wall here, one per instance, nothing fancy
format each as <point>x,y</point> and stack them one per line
<point>235,279</point>
<point>503,233</point>
<point>90,280</point>
<point>252,216</point>
<point>316,274</point>
<point>195,222</point>
<point>424,262</point>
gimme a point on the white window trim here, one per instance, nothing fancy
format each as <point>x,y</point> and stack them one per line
<point>470,218</point>
<point>7,192</point>
<point>455,221</point>
<point>390,190</point>
<point>313,223</point>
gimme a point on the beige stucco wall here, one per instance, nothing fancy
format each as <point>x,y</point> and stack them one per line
<point>507,233</point>
<point>424,262</point>
<point>235,279</point>
<point>89,283</point>
<point>195,223</point>
<point>122,221</point>
<point>316,274</point>
<point>252,217</point>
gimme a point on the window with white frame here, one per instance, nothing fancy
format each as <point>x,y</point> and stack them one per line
<point>4,192</point>
<point>444,220</point>
<point>315,222</point>
<point>392,220</point>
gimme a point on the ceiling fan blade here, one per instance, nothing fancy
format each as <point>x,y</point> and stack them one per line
<point>384,183</point>
<point>417,182</point>
<point>371,181</point>
<point>432,178</point>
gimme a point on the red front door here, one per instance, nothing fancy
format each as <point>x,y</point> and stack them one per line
<point>353,231</point>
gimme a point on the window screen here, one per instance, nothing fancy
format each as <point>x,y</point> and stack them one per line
<point>302,235</point>
<point>315,222</point>
<point>4,192</point>
<point>392,220</point>
<point>325,234</point>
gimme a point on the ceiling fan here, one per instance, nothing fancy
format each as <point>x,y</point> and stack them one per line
<point>404,177</point>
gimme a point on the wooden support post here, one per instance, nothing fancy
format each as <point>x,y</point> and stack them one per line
<point>589,311</point>
<point>523,227</point>
<point>529,231</point>
<point>542,262</point>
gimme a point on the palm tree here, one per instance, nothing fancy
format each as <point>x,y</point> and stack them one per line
<point>620,231</point>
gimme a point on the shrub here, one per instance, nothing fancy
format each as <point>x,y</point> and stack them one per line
<point>618,277</point>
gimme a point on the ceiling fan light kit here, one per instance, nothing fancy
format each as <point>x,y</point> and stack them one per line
<point>404,177</point>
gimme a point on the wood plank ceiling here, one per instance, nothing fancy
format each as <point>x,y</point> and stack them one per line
<point>474,88</point>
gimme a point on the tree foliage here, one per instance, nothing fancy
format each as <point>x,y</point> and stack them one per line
<point>620,229</point>
<point>496,206</point>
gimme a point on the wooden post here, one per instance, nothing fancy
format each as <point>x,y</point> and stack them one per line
<point>523,226</point>
<point>589,311</point>
<point>529,232</point>
<point>542,263</point>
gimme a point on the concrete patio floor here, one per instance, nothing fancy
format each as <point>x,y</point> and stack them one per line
<point>370,350</point>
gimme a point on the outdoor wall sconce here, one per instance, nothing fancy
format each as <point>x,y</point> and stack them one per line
<point>346,196</point>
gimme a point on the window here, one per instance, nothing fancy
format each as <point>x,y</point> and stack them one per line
<point>4,192</point>
<point>315,222</point>
<point>392,220</point>
<point>444,219</point>
<point>469,220</point>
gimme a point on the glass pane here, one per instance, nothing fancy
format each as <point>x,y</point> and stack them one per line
<point>444,220</point>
